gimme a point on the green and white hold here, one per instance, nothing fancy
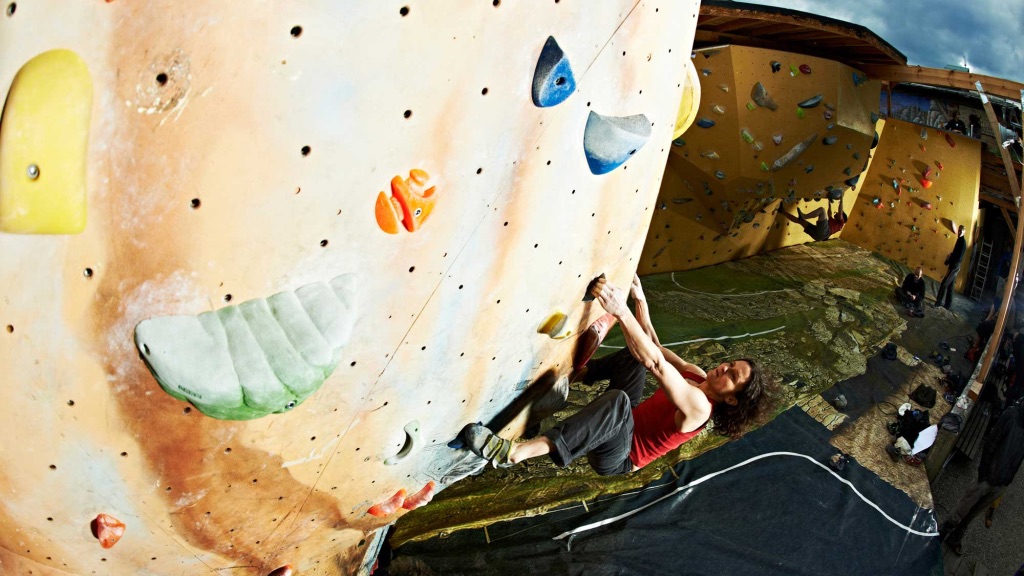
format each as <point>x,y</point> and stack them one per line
<point>259,357</point>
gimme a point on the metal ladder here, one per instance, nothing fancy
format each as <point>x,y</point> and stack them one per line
<point>981,271</point>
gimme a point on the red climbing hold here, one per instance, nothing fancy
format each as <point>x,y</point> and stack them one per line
<point>107,529</point>
<point>426,494</point>
<point>388,506</point>
<point>591,339</point>
<point>927,172</point>
<point>926,183</point>
<point>939,164</point>
<point>950,141</point>
<point>927,205</point>
<point>285,570</point>
<point>805,69</point>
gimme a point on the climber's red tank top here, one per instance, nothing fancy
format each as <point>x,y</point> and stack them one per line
<point>654,427</point>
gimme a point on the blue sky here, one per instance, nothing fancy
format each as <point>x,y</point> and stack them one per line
<point>986,34</point>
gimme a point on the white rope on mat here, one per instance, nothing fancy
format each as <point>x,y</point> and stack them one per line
<point>728,295</point>
<point>741,464</point>
<point>748,334</point>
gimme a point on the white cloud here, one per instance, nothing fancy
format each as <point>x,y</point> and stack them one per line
<point>935,33</point>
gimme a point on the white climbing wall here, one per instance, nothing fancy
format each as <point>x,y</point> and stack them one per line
<point>239,150</point>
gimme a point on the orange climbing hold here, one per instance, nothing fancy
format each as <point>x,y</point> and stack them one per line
<point>285,570</point>
<point>388,507</point>
<point>107,529</point>
<point>926,183</point>
<point>410,204</point>
<point>426,494</point>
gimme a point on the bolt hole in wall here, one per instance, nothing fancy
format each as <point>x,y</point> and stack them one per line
<point>306,150</point>
<point>195,203</point>
<point>404,11</point>
<point>161,78</point>
<point>87,272</point>
<point>296,31</point>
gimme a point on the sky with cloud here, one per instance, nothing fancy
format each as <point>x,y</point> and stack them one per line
<point>985,35</point>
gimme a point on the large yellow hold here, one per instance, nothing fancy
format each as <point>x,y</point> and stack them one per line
<point>44,137</point>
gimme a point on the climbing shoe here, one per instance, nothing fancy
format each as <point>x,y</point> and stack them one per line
<point>487,445</point>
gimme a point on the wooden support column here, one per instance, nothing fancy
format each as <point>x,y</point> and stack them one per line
<point>1009,221</point>
<point>1004,307</point>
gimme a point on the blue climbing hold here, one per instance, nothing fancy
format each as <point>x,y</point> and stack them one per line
<point>859,79</point>
<point>553,81</point>
<point>608,141</point>
<point>874,141</point>
<point>852,182</point>
<point>874,117</point>
<point>705,122</point>
<point>811,102</point>
<point>829,140</point>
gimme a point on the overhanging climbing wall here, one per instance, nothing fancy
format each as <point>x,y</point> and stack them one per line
<point>276,255</point>
<point>922,182</point>
<point>771,125</point>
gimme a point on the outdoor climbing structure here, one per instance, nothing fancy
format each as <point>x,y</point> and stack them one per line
<point>771,127</point>
<point>289,250</point>
<point>922,183</point>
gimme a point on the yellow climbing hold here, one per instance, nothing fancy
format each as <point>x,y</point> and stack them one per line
<point>690,102</point>
<point>44,137</point>
<point>554,326</point>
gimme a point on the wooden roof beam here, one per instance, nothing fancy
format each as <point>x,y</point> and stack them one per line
<point>941,77</point>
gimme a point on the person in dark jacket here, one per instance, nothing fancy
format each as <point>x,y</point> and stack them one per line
<point>1001,457</point>
<point>952,270</point>
<point>911,293</point>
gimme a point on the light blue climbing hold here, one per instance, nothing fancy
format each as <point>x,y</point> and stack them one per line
<point>829,140</point>
<point>859,79</point>
<point>809,169</point>
<point>553,81</point>
<point>705,122</point>
<point>720,175</point>
<point>608,141</point>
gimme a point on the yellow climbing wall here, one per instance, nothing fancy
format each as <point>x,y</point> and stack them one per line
<point>236,151</point>
<point>898,216</point>
<point>771,125</point>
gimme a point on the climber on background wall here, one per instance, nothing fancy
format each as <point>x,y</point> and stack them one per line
<point>818,224</point>
<point>618,432</point>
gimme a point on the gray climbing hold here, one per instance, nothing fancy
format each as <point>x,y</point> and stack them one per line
<point>720,175</point>
<point>608,141</point>
<point>553,80</point>
<point>793,153</point>
<point>760,97</point>
<point>255,358</point>
<point>811,102</point>
<point>809,168</point>
<point>705,122</point>
<point>874,117</point>
<point>776,66</point>
<point>829,140</point>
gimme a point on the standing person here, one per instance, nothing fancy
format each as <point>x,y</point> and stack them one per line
<point>1000,459</point>
<point>952,270</point>
<point>824,224</point>
<point>911,293</point>
<point>619,432</point>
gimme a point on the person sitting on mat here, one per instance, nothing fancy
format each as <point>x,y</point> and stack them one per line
<point>824,225</point>
<point>618,432</point>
